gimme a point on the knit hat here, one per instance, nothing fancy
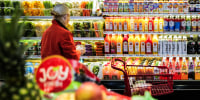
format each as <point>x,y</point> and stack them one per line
<point>60,10</point>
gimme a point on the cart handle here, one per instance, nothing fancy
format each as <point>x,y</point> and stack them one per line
<point>113,66</point>
<point>162,67</point>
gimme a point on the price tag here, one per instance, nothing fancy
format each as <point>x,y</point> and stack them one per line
<point>54,74</point>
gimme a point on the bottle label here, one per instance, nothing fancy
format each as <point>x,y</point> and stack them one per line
<point>107,47</point>
<point>132,26</point>
<point>171,23</point>
<point>111,26</point>
<point>155,26</point>
<point>107,25</point>
<point>150,26</point>
<point>199,23</point>
<point>137,49</point>
<point>160,46</point>
<point>194,23</point>
<point>188,23</point>
<point>165,23</point>
<point>120,26</point>
<point>148,47</point>
<point>130,46</point>
<point>140,26</point>
<point>119,47</point>
<point>115,25</point>
<point>125,26</point>
<point>142,46</point>
<point>155,47</point>
<point>135,27</point>
<point>125,44</point>
<point>183,23</point>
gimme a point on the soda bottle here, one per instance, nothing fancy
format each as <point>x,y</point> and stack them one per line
<point>194,24</point>
<point>188,24</point>
<point>183,24</point>
<point>166,23</point>
<point>131,24</point>
<point>177,24</point>
<point>171,24</point>
<point>184,70</point>
<point>197,69</point>
<point>146,23</point>
<point>170,66</point>
<point>191,46</point>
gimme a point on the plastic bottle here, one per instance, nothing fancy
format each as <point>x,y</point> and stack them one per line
<point>119,44</point>
<point>194,24</point>
<point>148,45</point>
<point>197,69</point>
<point>198,24</point>
<point>191,69</point>
<point>115,24</point>
<point>170,52</point>
<point>107,24</point>
<point>113,44</point>
<point>161,22</point>
<point>177,24</point>
<point>171,24</point>
<point>131,24</point>
<point>174,45</point>
<point>183,24</point>
<point>111,23</point>
<point>137,44</point>
<point>136,24</point>
<point>131,44</point>
<point>107,44</point>
<point>184,70</point>
<point>179,46</point>
<point>125,44</point>
<point>170,66</point>
<point>165,45</point>
<point>120,24</point>
<point>184,45</point>
<point>126,24</point>
<point>146,23</point>
<point>141,24</point>
<point>155,44</point>
<point>177,73</point>
<point>150,29</point>
<point>191,46</point>
<point>142,42</point>
<point>166,23</point>
<point>156,24</point>
<point>198,45</point>
<point>160,45</point>
<point>188,24</point>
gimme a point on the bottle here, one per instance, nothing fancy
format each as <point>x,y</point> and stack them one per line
<point>171,24</point>
<point>170,45</point>
<point>107,44</point>
<point>191,69</point>
<point>155,44</point>
<point>179,46</point>
<point>155,23</point>
<point>136,24</point>
<point>194,24</point>
<point>115,24</point>
<point>197,69</point>
<point>188,24</point>
<point>113,44</point>
<point>150,24</point>
<point>137,44</point>
<point>184,45</point>
<point>148,44</point>
<point>126,24</point>
<point>131,24</point>
<point>161,22</point>
<point>160,45</point>
<point>174,45</point>
<point>177,73</point>
<point>110,23</point>
<point>142,42</point>
<point>198,23</point>
<point>166,23</point>
<point>184,71</point>
<point>131,44</point>
<point>107,24</point>
<point>198,45</point>
<point>177,24</point>
<point>170,66</point>
<point>146,23</point>
<point>165,45</point>
<point>141,24</point>
<point>191,46</point>
<point>119,44</point>
<point>120,24</point>
<point>125,44</point>
<point>183,24</point>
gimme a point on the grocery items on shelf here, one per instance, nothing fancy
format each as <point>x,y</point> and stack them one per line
<point>34,47</point>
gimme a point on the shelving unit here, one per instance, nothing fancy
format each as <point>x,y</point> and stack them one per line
<point>82,57</point>
<point>75,38</point>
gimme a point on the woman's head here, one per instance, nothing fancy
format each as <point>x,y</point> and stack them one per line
<point>61,13</point>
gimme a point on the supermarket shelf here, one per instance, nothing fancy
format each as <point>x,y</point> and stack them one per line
<point>150,55</point>
<point>34,57</point>
<point>160,33</point>
<point>31,38</point>
<point>51,17</point>
<point>149,14</point>
<point>88,38</point>
<point>92,57</point>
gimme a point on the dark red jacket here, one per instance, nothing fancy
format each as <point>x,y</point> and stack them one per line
<point>57,40</point>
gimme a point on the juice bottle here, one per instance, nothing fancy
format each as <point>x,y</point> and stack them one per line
<point>146,23</point>
<point>197,69</point>
<point>198,23</point>
<point>111,23</point>
<point>131,24</point>
<point>155,44</point>
<point>171,24</point>
<point>191,69</point>
<point>194,24</point>
<point>170,45</point>
<point>148,45</point>
<point>160,45</point>
<point>142,42</point>
<point>113,44</point>
<point>184,71</point>
<point>170,66</point>
<point>137,44</point>
<point>120,24</point>
<point>191,46</point>
<point>125,44</point>
<point>161,22</point>
<point>126,24</point>
<point>183,24</point>
<point>188,24</point>
<point>165,45</point>
<point>166,23</point>
<point>184,45</point>
<point>177,74</point>
<point>107,44</point>
<point>136,24</point>
<point>179,46</point>
<point>119,44</point>
<point>115,24</point>
<point>150,24</point>
<point>106,72</point>
<point>155,23</point>
<point>177,24</point>
<point>198,45</point>
<point>174,45</point>
<point>131,44</point>
<point>107,24</point>
<point>141,24</point>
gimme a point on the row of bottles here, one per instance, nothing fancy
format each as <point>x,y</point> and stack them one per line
<point>126,1</point>
<point>130,44</point>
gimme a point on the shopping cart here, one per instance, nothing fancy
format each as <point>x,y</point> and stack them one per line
<point>139,78</point>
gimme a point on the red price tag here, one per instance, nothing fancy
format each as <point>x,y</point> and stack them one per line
<point>54,74</point>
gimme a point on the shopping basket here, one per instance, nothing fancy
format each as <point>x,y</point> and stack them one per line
<point>156,78</point>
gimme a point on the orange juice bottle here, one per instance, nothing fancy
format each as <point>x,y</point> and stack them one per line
<point>184,71</point>
<point>148,44</point>
<point>142,42</point>
<point>131,24</point>
<point>146,23</point>
<point>115,23</point>
<point>137,44</point>
<point>107,44</point>
<point>126,24</point>
<point>155,44</point>
<point>107,24</point>
<point>119,44</point>
<point>113,44</point>
<point>161,23</point>
<point>131,44</point>
<point>111,23</point>
<point>141,24</point>
<point>155,24</point>
<point>120,24</point>
<point>136,24</point>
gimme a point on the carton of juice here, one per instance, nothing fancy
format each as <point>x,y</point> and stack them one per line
<point>175,7</point>
<point>170,7</point>
<point>180,8</point>
<point>126,7</point>
<point>120,7</point>
<point>165,7</point>
<point>151,7</point>
<point>131,7</point>
<point>140,7</point>
<point>160,7</point>
<point>155,7</point>
<point>135,7</point>
<point>115,8</point>
<point>105,7</point>
<point>185,7</point>
<point>146,7</point>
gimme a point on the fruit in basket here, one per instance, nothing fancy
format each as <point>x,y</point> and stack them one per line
<point>12,61</point>
<point>89,91</point>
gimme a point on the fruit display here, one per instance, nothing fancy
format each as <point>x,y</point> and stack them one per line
<point>33,8</point>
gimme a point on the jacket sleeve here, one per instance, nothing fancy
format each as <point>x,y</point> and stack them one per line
<point>68,48</point>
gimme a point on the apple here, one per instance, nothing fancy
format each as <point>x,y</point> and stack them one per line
<point>89,91</point>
